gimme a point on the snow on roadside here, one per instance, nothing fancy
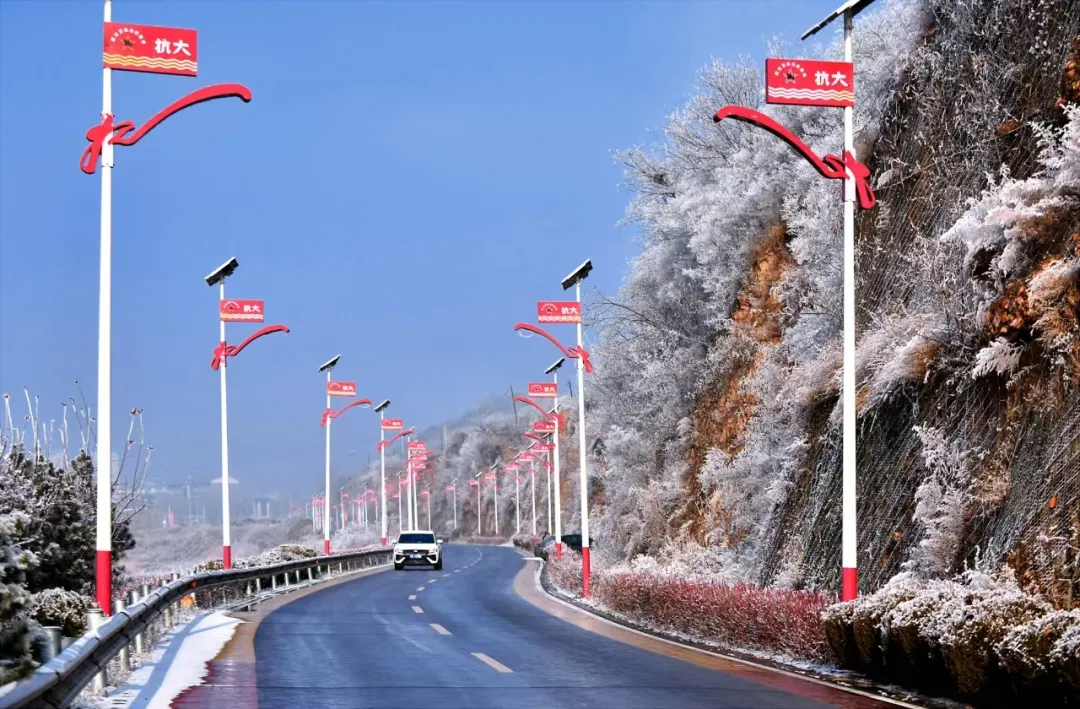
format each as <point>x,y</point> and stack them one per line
<point>176,663</point>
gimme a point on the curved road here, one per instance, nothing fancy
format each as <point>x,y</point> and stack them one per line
<point>463,638</point>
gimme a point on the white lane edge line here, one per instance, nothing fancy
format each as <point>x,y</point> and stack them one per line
<point>439,629</point>
<point>805,678</point>
<point>417,609</point>
<point>493,664</point>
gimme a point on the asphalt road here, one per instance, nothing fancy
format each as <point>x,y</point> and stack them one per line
<point>463,639</point>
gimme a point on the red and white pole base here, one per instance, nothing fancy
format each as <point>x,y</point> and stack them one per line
<point>326,547</point>
<point>226,556</point>
<point>585,572</point>
<point>849,584</point>
<point>103,580</point>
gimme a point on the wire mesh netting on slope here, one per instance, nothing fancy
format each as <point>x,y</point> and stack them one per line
<point>966,119</point>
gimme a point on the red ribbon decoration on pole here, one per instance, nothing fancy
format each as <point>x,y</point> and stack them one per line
<point>546,415</point>
<point>569,352</point>
<point>386,444</point>
<point>832,167</point>
<point>329,414</point>
<point>120,131</point>
<point>223,350</point>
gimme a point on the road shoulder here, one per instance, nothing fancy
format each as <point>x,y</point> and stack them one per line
<point>527,585</point>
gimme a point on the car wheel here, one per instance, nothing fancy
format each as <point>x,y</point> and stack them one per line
<point>438,565</point>
<point>399,567</point>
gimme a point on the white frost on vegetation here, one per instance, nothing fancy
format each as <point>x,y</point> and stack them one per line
<point>704,203</point>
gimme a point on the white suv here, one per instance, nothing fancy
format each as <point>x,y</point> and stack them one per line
<point>417,549</point>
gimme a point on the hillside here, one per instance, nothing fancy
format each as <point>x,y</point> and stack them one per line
<point>716,412</point>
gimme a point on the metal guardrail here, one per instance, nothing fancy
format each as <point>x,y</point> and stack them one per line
<point>55,684</point>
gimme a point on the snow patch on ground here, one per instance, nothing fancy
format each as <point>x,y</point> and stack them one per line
<point>176,663</point>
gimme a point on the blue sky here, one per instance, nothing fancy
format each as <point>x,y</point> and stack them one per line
<point>408,180</point>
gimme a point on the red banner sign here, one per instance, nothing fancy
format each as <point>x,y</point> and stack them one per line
<point>543,447</point>
<point>552,311</point>
<point>805,82</point>
<point>392,424</point>
<point>341,388</point>
<point>474,483</point>
<point>417,446</point>
<point>527,457</point>
<point>544,427</point>
<point>451,488</point>
<point>158,50</point>
<point>512,465</point>
<point>543,390</point>
<point>241,310</point>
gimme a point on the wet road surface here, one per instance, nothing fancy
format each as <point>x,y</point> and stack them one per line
<point>461,638</point>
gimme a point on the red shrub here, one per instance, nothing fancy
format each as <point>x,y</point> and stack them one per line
<point>736,616</point>
<point>565,572</point>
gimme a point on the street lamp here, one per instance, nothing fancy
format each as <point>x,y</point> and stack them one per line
<point>553,370</point>
<point>343,389</point>
<point>380,410</point>
<point>400,485</point>
<point>574,281</point>
<point>383,445</point>
<point>476,481</point>
<point>327,367</point>
<point>220,362</point>
<point>452,488</point>
<point>849,540</point>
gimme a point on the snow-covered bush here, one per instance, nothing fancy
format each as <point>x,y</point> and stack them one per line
<point>62,608</point>
<point>60,502</point>
<point>15,624</point>
<point>525,541</point>
<point>565,572</point>
<point>734,616</point>
<point>976,636</point>
<point>1043,652</point>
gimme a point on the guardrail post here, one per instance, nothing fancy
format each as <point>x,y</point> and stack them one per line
<point>119,606</point>
<point>53,635</point>
<point>258,585</point>
<point>94,619</point>
<point>135,598</point>
<point>340,568</point>
<point>273,581</point>
<point>310,577</point>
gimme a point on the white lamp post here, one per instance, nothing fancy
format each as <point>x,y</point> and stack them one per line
<point>574,281</point>
<point>849,539</point>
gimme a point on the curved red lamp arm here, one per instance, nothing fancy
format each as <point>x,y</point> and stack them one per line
<point>328,414</point>
<point>530,402</point>
<point>568,352</point>
<point>534,437</point>
<point>830,166</point>
<point>386,444</point>
<point>223,350</point>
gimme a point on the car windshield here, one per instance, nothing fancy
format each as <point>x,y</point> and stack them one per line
<point>416,538</point>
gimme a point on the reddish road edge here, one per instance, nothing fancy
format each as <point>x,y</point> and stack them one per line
<point>527,585</point>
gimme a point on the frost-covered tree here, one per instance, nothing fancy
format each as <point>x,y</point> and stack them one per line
<point>15,625</point>
<point>60,503</point>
